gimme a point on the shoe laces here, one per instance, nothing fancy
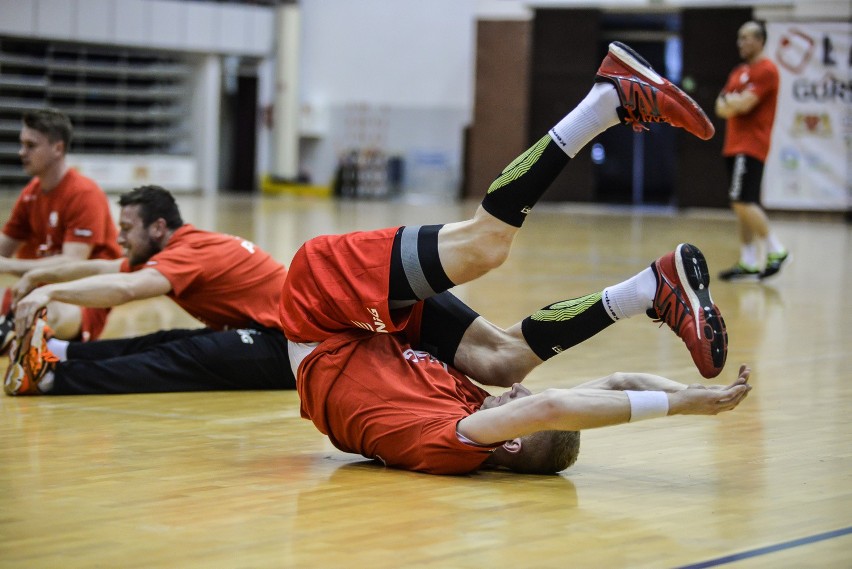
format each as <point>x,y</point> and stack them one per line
<point>39,361</point>
<point>40,357</point>
<point>638,110</point>
<point>635,121</point>
<point>675,309</point>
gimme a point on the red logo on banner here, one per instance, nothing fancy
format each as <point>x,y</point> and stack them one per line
<point>795,50</point>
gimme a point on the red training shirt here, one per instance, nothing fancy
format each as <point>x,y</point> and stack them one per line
<point>76,210</point>
<point>224,281</point>
<point>751,133</point>
<point>372,394</point>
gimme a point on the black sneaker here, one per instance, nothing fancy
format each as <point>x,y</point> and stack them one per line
<point>739,272</point>
<point>7,332</point>
<point>773,263</point>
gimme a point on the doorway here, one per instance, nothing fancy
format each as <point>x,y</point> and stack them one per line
<point>630,167</point>
<point>238,125</point>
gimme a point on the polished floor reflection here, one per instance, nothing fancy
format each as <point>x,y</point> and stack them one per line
<point>240,480</point>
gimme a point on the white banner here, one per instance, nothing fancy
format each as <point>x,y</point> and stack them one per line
<point>122,173</point>
<point>808,166</point>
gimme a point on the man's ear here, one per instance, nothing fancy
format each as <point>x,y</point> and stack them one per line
<point>160,228</point>
<point>513,446</point>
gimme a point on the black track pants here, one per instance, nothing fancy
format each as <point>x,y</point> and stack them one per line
<point>177,360</point>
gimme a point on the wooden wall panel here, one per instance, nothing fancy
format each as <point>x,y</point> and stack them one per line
<point>565,56</point>
<point>500,123</point>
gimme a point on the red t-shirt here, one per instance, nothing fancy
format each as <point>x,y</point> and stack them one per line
<point>374,395</point>
<point>224,281</point>
<point>76,210</point>
<point>751,133</point>
<point>364,385</point>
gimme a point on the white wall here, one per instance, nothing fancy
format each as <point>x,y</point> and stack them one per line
<point>400,53</point>
<point>407,64</point>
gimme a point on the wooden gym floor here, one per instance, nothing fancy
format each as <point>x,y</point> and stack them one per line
<point>239,480</point>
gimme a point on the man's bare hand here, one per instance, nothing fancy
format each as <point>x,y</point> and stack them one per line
<point>27,309</point>
<point>21,289</point>
<point>712,399</point>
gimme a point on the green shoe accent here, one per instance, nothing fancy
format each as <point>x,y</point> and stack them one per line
<point>739,271</point>
<point>773,263</point>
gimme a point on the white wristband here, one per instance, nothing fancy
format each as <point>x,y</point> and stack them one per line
<point>647,404</point>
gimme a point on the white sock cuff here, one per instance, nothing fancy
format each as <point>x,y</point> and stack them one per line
<point>631,297</point>
<point>595,113</point>
<point>59,348</point>
<point>46,383</point>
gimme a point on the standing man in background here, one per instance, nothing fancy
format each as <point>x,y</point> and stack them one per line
<point>748,104</point>
<point>60,216</point>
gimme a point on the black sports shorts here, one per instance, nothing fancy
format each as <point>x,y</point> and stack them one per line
<point>746,174</point>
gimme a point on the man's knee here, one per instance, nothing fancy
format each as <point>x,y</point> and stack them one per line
<point>66,320</point>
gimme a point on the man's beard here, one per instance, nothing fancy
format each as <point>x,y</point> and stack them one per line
<point>152,249</point>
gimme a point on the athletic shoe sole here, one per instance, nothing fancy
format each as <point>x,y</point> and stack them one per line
<point>692,270</point>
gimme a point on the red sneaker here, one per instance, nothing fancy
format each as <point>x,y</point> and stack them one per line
<point>30,360</point>
<point>647,96</point>
<point>683,302</point>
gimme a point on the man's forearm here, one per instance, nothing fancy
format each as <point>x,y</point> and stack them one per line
<point>71,270</point>
<point>621,381</point>
<point>20,266</point>
<point>732,104</point>
<point>588,408</point>
<point>93,292</point>
<point>553,409</point>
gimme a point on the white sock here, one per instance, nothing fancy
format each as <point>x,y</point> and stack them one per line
<point>748,254</point>
<point>46,383</point>
<point>631,297</point>
<point>592,116</point>
<point>773,245</point>
<point>59,349</point>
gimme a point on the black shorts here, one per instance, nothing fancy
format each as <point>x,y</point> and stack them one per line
<point>746,173</point>
<point>444,322</point>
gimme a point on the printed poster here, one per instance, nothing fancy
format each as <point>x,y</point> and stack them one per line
<point>808,167</point>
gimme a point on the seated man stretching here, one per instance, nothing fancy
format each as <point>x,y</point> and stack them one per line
<point>205,273</point>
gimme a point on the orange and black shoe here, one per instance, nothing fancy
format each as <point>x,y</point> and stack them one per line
<point>30,360</point>
<point>682,301</point>
<point>647,96</point>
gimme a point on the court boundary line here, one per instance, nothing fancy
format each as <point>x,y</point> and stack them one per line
<point>768,549</point>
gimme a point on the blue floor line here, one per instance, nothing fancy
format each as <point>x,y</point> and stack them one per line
<point>768,549</point>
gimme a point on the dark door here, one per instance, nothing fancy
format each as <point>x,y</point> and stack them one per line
<point>709,54</point>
